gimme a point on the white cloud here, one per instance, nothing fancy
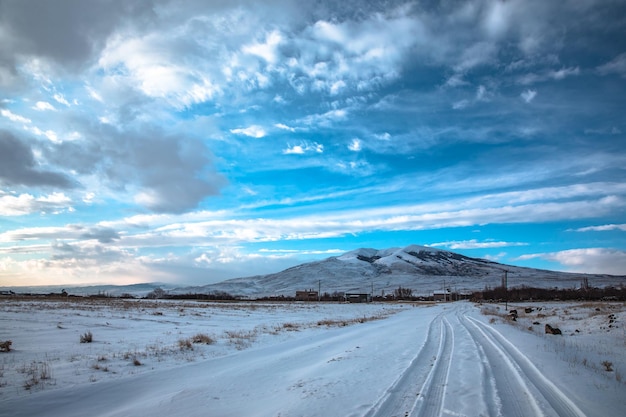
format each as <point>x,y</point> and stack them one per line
<point>292,252</point>
<point>461,104</point>
<point>94,94</point>
<point>61,99</point>
<point>14,117</point>
<point>294,150</point>
<point>455,80</point>
<point>475,244</point>
<point>602,228</point>
<point>325,119</point>
<point>495,258</point>
<point>253,131</point>
<point>564,72</point>
<point>355,145</point>
<point>267,50</point>
<point>383,136</point>
<point>528,95</point>
<point>43,106</point>
<point>284,127</point>
<point>23,204</point>
<point>56,198</point>
<point>151,64</point>
<point>336,87</point>
<point>360,168</point>
<point>588,260</point>
<point>496,21</point>
<point>304,147</point>
<point>89,197</point>
<point>557,75</point>
<point>616,66</point>
<point>481,92</point>
<point>351,54</point>
<point>604,131</point>
<point>480,53</point>
<point>50,134</point>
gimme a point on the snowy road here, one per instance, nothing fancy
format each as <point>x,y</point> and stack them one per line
<point>444,360</point>
<point>511,385</point>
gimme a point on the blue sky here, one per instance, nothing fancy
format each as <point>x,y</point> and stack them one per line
<point>190,141</point>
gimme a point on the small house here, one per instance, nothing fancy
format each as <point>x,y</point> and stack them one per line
<point>308,295</point>
<point>358,298</point>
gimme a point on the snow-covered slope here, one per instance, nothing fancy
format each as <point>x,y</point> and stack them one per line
<point>422,269</point>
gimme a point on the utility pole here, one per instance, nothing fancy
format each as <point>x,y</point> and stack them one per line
<point>319,290</point>
<point>506,291</point>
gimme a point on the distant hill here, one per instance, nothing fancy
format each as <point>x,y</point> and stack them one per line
<point>422,269</point>
<point>136,290</point>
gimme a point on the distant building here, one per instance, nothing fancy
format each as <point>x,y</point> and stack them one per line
<point>358,298</point>
<point>308,295</point>
<point>442,295</point>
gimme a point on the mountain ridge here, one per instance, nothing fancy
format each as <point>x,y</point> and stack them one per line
<point>423,269</point>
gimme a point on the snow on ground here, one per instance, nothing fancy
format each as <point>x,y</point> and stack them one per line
<point>309,359</point>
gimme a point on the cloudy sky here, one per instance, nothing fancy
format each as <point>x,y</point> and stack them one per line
<point>193,141</point>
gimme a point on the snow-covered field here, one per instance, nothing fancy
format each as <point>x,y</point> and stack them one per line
<point>309,359</point>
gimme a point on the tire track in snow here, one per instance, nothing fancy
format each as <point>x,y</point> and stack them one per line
<point>434,389</point>
<point>512,397</point>
<point>426,375</point>
<point>489,393</point>
<point>560,403</point>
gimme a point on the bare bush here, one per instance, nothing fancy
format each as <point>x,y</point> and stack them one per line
<point>5,346</point>
<point>608,366</point>
<point>203,338</point>
<point>86,338</point>
<point>99,367</point>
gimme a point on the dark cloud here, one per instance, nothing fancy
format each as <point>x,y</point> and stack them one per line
<point>166,173</point>
<point>174,174</point>
<point>84,257</point>
<point>18,166</point>
<point>66,31</point>
<point>101,234</point>
<point>82,157</point>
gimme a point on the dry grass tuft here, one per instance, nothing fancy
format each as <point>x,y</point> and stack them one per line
<point>35,373</point>
<point>291,327</point>
<point>241,339</point>
<point>185,344</point>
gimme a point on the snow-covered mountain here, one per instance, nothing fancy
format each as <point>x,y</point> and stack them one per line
<point>422,269</point>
